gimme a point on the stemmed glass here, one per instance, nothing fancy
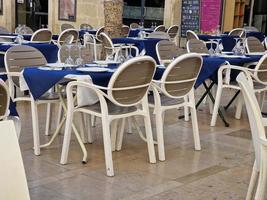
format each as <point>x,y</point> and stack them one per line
<point>218,50</point>
<point>130,52</point>
<point>79,60</point>
<point>236,48</point>
<point>121,58</point>
<point>211,50</point>
<point>69,59</point>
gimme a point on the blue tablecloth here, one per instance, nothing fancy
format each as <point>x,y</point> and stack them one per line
<point>148,44</point>
<point>48,50</point>
<point>258,35</point>
<point>26,36</point>
<point>40,81</point>
<point>134,32</point>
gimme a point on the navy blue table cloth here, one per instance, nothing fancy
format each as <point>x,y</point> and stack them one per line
<point>48,50</point>
<point>25,36</point>
<point>148,44</point>
<point>134,32</point>
<point>40,81</point>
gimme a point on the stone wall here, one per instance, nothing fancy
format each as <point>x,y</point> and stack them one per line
<point>8,18</point>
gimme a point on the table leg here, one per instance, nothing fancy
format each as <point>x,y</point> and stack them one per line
<point>232,100</point>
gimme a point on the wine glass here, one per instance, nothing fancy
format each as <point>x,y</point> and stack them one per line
<point>69,59</point>
<point>236,47</point>
<point>211,50</point>
<point>121,58</point>
<point>218,50</point>
<point>130,52</point>
<point>79,60</point>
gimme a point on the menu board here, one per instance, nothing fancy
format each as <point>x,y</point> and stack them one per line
<point>210,15</point>
<point>190,16</point>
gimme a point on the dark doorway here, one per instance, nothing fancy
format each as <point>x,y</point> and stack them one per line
<point>149,11</point>
<point>32,13</point>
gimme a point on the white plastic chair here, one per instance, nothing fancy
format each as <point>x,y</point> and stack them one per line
<point>13,183</point>
<point>254,45</point>
<point>126,97</point>
<point>67,36</point>
<point>191,35</point>
<point>16,59</point>
<point>173,32</point>
<point>160,28</point>
<point>176,90</point>
<point>240,32</point>
<point>90,42</point>
<point>225,82</point>
<point>66,26</point>
<point>258,180</point>
<point>42,36</point>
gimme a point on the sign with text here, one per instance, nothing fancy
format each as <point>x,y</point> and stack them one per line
<point>210,15</point>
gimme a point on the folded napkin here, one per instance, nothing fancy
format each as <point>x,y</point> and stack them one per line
<point>85,96</point>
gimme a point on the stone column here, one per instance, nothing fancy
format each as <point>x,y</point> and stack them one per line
<point>113,10</point>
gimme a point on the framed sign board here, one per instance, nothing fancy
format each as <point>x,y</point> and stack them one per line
<point>67,10</point>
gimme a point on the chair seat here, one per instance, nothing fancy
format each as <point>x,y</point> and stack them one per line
<point>112,108</point>
<point>165,101</point>
<point>257,85</point>
<point>51,96</point>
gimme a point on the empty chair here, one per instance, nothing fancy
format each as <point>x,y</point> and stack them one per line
<point>126,97</point>
<point>86,26</point>
<point>91,45</point>
<point>191,35</point>
<point>160,35</point>
<point>160,28</point>
<point>66,26</point>
<point>257,123</point>
<point>237,32</point>
<point>134,25</point>
<point>13,184</point>
<point>16,59</point>
<point>4,107</point>
<point>6,38</point>
<point>253,45</point>
<point>125,31</point>
<point>175,90</point>
<point>113,51</point>
<point>167,51</point>
<point>3,30</point>
<point>196,46</point>
<point>24,30</point>
<point>42,36</point>
<point>173,32</point>
<point>67,36</point>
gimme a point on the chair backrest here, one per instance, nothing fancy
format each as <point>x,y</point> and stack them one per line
<point>42,36</point>
<point>86,26</point>
<point>125,31</point>
<point>63,53</point>
<point>19,57</point>
<point>191,35</point>
<point>159,35</point>
<point>3,30</point>
<point>6,38</point>
<point>131,81</point>
<point>260,73</point>
<point>173,31</point>
<point>180,76</point>
<point>160,28</point>
<point>196,46</point>
<point>67,35</point>
<point>99,31</point>
<point>107,44</point>
<point>167,50</point>
<point>254,114</point>
<point>134,25</point>
<point>4,100</point>
<point>66,26</point>
<point>24,30</point>
<point>13,184</point>
<point>253,44</point>
<point>236,32</point>
<point>89,42</point>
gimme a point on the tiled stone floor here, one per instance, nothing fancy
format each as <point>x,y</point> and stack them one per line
<point>221,170</point>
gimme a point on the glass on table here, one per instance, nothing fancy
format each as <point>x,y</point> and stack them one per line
<point>236,49</point>
<point>69,59</point>
<point>211,50</point>
<point>217,49</point>
<point>121,58</point>
<point>79,60</point>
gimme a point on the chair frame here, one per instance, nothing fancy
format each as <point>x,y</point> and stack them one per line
<point>192,33</point>
<point>40,31</point>
<point>107,118</point>
<point>249,49</point>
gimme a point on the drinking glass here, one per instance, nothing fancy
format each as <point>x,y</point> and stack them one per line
<point>236,48</point>
<point>218,50</point>
<point>79,60</point>
<point>121,58</point>
<point>69,59</point>
<point>211,50</point>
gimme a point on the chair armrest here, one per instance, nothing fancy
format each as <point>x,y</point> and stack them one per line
<point>14,74</point>
<point>263,142</point>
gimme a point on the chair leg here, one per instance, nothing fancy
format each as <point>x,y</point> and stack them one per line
<point>90,133</point>
<point>114,127</point>
<point>48,119</point>
<point>149,136</point>
<point>129,125</point>
<point>67,138</point>
<point>59,116</point>
<point>186,111</point>
<point>120,135</point>
<point>261,189</point>
<point>239,106</point>
<point>253,182</point>
<point>35,126</point>
<point>216,106</point>
<point>107,146</point>
<point>93,121</point>
<point>83,128</point>
<point>160,138</point>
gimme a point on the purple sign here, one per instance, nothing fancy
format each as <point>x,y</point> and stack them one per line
<point>210,15</point>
